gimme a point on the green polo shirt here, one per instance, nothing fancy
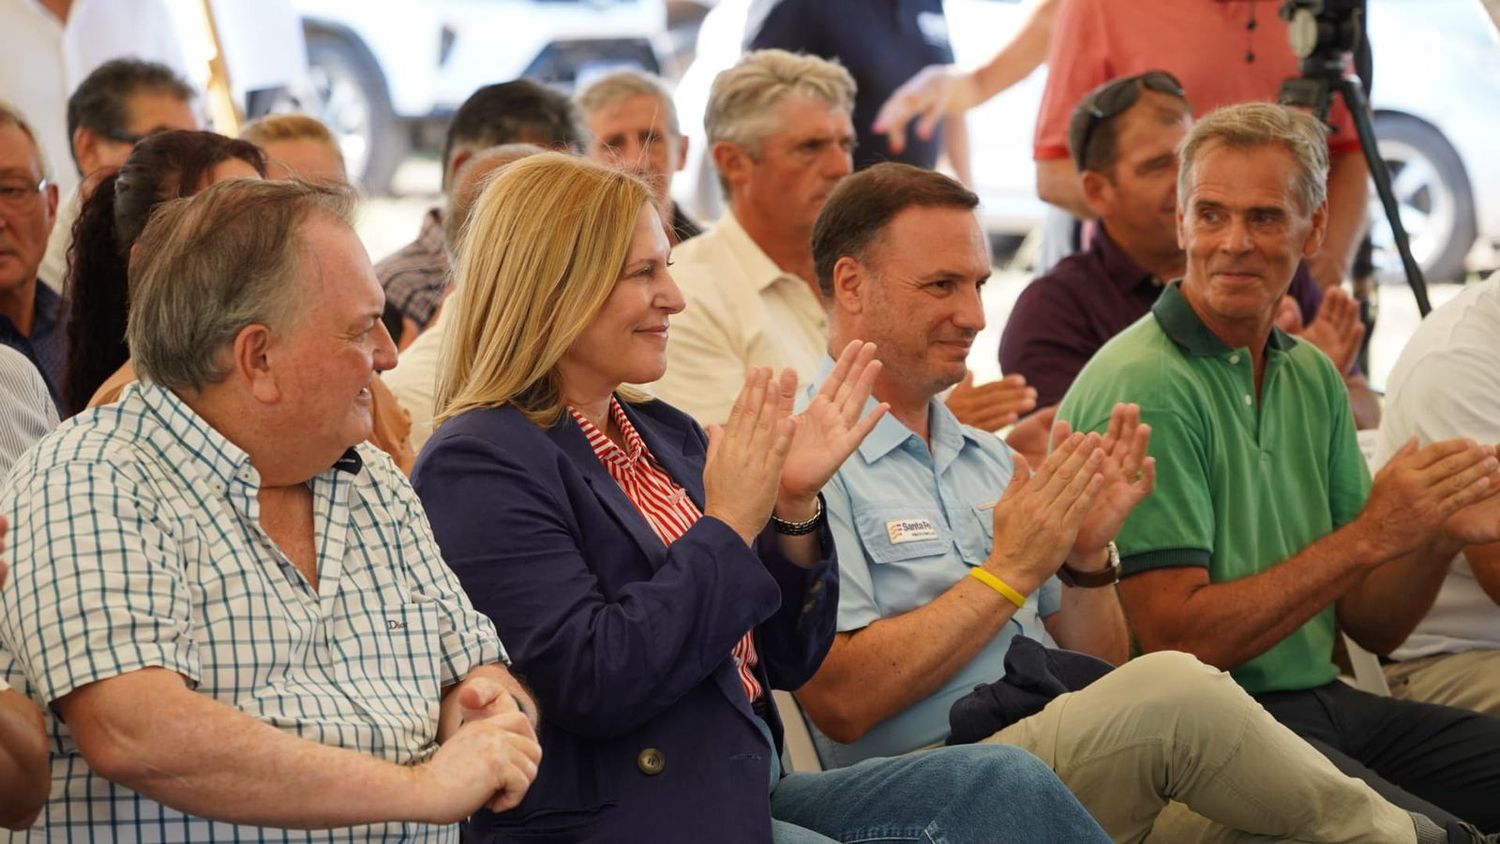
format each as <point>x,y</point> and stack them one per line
<point>1243,482</point>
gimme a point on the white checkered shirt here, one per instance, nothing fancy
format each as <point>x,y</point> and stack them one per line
<point>136,543</point>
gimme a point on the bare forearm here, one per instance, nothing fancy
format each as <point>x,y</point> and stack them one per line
<point>1484,561</point>
<point>206,759</point>
<point>880,670</point>
<point>1025,51</point>
<point>1091,621</point>
<point>1380,610</point>
<point>956,148</point>
<point>1228,623</point>
<point>1363,403</point>
<point>1348,197</point>
<point>24,778</point>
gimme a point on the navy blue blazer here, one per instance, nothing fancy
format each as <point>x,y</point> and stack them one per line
<point>646,734</point>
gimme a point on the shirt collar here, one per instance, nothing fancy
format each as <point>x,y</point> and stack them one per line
<point>431,234</point>
<point>946,432</point>
<point>1181,323</point>
<point>1121,269</point>
<point>215,457</point>
<point>754,262</point>
<point>605,448</point>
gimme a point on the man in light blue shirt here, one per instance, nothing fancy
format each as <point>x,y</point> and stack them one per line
<point>949,547</point>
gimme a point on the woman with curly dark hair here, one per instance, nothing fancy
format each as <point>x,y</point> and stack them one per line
<point>164,166</point>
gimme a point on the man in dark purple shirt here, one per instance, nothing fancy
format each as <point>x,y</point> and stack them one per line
<point>1127,161</point>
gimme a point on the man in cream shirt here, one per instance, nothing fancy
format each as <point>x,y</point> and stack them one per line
<point>781,137</point>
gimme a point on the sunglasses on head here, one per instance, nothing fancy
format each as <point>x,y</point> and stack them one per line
<point>1114,98</point>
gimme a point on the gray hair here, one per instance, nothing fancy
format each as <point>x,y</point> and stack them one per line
<point>470,181</point>
<point>210,265</point>
<point>622,84</point>
<point>742,97</point>
<point>1249,125</point>
<point>11,116</point>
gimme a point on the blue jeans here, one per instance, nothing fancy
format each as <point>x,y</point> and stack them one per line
<point>952,795</point>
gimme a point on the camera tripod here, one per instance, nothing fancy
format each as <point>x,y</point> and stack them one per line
<point>1323,74</point>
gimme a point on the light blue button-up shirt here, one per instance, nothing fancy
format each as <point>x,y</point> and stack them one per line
<point>909,522</point>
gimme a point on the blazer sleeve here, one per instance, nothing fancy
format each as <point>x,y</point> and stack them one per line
<point>600,668</point>
<point>793,642</point>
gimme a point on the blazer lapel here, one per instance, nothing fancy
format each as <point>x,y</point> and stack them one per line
<point>569,437</point>
<point>675,447</point>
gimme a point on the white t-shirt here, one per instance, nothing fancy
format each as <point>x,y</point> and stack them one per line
<point>45,60</point>
<point>1446,384</point>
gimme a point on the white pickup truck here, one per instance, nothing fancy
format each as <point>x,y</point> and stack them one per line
<point>385,74</point>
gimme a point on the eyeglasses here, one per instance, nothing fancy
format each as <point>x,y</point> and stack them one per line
<point>15,193</point>
<point>1111,99</point>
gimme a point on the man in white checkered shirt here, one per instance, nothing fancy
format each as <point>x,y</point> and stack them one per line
<point>232,609</point>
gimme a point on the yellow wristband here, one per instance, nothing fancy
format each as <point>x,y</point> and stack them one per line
<point>998,585</point>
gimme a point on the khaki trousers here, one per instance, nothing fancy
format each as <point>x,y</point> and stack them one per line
<point>1468,680</point>
<point>1166,749</point>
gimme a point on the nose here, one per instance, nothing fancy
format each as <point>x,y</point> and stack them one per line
<point>1237,236</point>
<point>970,312</point>
<point>384,357</point>
<point>840,162</point>
<point>669,296</point>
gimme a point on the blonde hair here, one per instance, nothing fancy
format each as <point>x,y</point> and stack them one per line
<point>742,97</point>
<point>470,181</point>
<point>1249,125</point>
<point>273,128</point>
<point>623,84</point>
<point>544,248</point>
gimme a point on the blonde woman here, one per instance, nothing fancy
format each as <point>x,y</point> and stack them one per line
<point>297,147</point>
<point>653,584</point>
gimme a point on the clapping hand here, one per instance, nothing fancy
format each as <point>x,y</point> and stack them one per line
<point>992,405</point>
<point>1129,477</point>
<point>1448,485</point>
<point>829,429</point>
<point>1337,329</point>
<point>745,455</point>
<point>1038,518</point>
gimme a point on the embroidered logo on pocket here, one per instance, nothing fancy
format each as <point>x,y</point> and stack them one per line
<point>395,624</point>
<point>910,530</point>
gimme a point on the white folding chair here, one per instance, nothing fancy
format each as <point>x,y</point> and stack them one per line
<point>801,753</point>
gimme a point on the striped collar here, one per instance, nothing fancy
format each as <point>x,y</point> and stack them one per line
<point>605,449</point>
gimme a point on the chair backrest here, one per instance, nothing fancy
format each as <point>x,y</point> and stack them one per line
<point>801,752</point>
<point>1369,675</point>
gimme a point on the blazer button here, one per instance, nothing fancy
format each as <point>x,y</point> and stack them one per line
<point>651,761</point>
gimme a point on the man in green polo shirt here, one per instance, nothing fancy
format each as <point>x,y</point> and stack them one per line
<point>1264,531</point>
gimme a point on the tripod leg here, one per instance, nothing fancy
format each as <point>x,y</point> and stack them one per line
<point>1354,98</point>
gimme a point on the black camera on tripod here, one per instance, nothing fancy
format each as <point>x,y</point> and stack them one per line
<point>1324,35</point>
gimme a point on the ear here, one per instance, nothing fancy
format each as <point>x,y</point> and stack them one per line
<point>851,285</point>
<point>682,151</point>
<point>251,363</point>
<point>1098,192</point>
<point>85,150</point>
<point>732,162</point>
<point>459,159</point>
<point>1319,231</point>
<point>51,203</point>
<point>1181,228</point>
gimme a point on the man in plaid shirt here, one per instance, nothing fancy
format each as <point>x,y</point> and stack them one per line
<point>231,608</point>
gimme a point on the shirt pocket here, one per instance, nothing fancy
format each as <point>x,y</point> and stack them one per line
<point>911,554</point>
<point>978,537</point>
<point>392,653</point>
